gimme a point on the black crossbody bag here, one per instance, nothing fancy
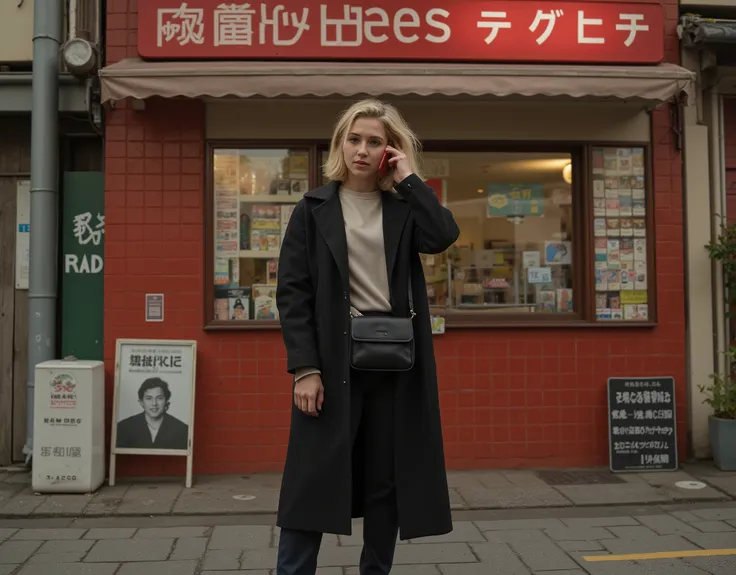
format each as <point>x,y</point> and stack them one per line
<point>383,343</point>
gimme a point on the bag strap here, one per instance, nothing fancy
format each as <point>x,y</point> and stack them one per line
<point>411,298</point>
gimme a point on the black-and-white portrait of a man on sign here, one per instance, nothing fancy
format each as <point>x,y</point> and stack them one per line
<point>154,398</point>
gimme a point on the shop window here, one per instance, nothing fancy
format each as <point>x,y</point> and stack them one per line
<point>549,234</point>
<point>515,253</point>
<point>621,234</point>
<point>254,193</point>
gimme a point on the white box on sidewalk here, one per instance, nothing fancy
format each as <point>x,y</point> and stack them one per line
<point>69,427</point>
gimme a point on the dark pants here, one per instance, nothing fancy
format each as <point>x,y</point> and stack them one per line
<point>371,420</point>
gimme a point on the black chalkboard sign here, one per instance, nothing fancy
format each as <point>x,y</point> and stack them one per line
<point>642,431</point>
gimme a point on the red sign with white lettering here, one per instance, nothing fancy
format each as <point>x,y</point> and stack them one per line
<point>409,30</point>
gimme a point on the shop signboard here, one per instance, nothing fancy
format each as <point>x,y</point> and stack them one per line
<point>153,402</point>
<point>642,424</point>
<point>459,30</point>
<point>82,279</point>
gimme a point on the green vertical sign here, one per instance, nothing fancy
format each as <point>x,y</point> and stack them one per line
<point>82,259</point>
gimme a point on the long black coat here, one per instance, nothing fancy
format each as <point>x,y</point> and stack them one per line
<point>319,485</point>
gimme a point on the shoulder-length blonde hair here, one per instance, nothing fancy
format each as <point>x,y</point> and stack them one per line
<point>398,133</point>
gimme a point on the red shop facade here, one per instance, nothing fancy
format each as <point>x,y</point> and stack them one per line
<point>547,130</point>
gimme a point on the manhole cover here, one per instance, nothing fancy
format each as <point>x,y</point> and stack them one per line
<point>583,477</point>
<point>690,485</point>
<point>244,497</point>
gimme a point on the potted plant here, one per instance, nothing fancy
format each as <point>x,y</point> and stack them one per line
<point>721,396</point>
<point>721,393</point>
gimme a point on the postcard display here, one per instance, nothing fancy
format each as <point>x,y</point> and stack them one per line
<point>619,211</point>
<point>255,192</point>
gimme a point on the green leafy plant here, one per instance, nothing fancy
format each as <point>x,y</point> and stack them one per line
<point>721,393</point>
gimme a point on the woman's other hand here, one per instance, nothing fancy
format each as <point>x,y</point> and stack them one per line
<point>309,394</point>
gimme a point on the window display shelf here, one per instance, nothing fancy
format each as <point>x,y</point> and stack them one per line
<point>259,254</point>
<point>269,198</point>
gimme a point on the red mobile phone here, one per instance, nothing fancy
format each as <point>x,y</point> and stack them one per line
<point>383,165</point>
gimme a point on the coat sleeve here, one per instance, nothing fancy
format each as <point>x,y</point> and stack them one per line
<point>295,296</point>
<point>435,229</point>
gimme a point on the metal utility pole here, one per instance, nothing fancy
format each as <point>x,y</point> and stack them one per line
<point>42,289</point>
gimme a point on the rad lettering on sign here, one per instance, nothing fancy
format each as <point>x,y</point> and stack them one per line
<point>234,24</point>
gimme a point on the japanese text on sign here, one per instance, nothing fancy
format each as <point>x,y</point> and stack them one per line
<point>154,360</point>
<point>642,423</point>
<point>462,30</point>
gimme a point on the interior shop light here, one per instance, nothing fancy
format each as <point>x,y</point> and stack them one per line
<point>567,173</point>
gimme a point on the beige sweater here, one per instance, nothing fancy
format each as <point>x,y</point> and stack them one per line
<point>363,216</point>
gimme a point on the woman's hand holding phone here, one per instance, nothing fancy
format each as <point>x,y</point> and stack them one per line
<point>397,161</point>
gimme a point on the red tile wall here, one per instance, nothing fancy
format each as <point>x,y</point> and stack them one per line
<point>510,398</point>
<point>729,127</point>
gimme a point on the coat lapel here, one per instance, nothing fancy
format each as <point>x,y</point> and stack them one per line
<point>395,213</point>
<point>329,220</point>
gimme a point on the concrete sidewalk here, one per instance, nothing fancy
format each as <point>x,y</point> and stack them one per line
<point>469,490</point>
<point>694,539</point>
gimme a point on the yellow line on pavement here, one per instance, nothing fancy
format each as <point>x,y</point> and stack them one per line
<point>662,555</point>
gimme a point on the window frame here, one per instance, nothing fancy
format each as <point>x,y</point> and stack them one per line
<point>582,235</point>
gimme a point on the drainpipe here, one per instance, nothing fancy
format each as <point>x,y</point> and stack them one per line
<point>42,289</point>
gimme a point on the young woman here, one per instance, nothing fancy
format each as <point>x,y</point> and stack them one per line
<point>362,443</point>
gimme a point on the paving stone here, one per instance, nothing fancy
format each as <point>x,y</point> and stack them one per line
<point>713,540</point>
<point>665,524</point>
<point>687,516</point>
<point>627,494</point>
<point>7,569</point>
<point>720,514</point>
<point>632,532</point>
<point>511,524</point>
<point>536,550</point>
<point>47,534</point>
<point>222,559</point>
<point>170,532</point>
<point>405,570</point>
<point>600,522</point>
<point>248,572</point>
<point>110,533</point>
<point>433,554</point>
<point>241,537</point>
<point>106,501</point>
<point>56,558</point>
<point>477,569</point>
<point>149,499</point>
<point>578,533</point>
<point>565,572</point>
<point>189,548</point>
<point>648,544</point>
<point>714,565</point>
<point>78,546</point>
<point>159,568</point>
<point>579,545</point>
<point>266,558</point>
<point>17,551</point>
<point>463,532</point>
<point>63,505</point>
<point>122,550</point>
<point>328,571</point>
<point>712,526</point>
<point>511,497</point>
<point>6,534</point>
<point>21,504</point>
<point>497,556</point>
<point>70,569</point>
